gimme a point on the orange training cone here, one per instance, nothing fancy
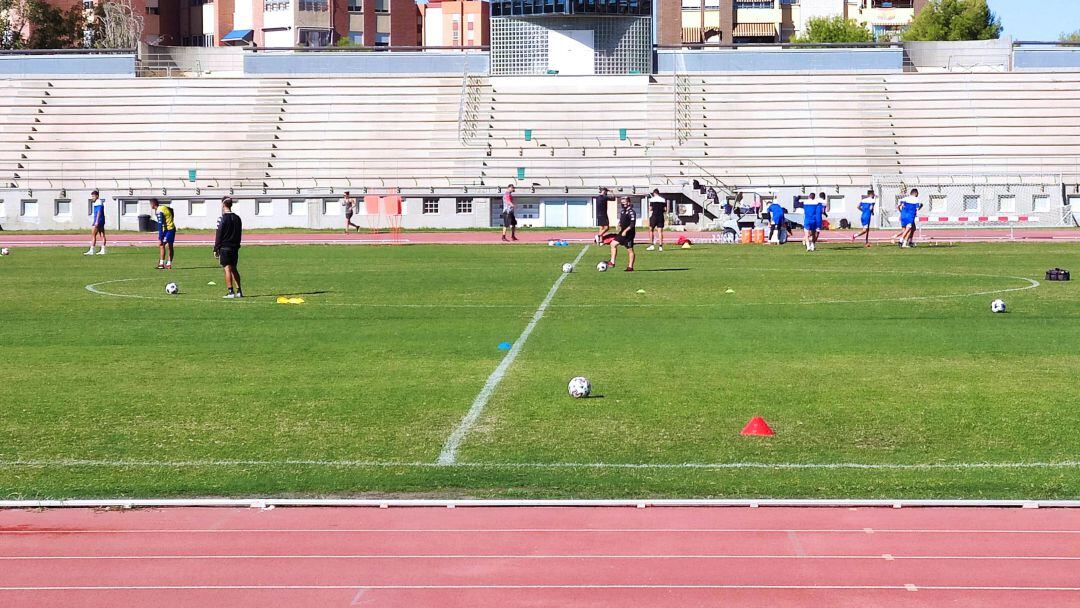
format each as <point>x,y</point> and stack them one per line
<point>757,426</point>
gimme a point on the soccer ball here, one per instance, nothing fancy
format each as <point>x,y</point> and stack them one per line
<point>172,289</point>
<point>579,388</point>
<point>602,267</point>
<point>568,267</point>
<point>997,306</point>
<point>5,251</point>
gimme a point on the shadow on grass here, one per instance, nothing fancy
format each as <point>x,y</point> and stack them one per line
<point>664,270</point>
<point>290,294</point>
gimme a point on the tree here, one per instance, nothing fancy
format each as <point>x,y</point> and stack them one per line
<point>954,20</point>
<point>120,26</point>
<point>1073,37</point>
<point>833,29</point>
<point>51,28</point>
<point>12,23</point>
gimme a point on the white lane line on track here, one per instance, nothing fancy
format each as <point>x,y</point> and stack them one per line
<point>719,466</point>
<point>520,587</point>
<point>533,557</point>
<point>449,452</point>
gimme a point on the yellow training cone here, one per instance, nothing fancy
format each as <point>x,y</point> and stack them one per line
<point>282,300</point>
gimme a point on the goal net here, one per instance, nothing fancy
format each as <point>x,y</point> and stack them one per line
<point>1033,200</point>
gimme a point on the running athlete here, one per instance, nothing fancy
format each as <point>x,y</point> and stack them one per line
<point>349,203</point>
<point>866,207</point>
<point>777,217</point>
<point>166,233</point>
<point>812,210</point>
<point>657,209</point>
<point>909,206</point>
<point>603,221</point>
<point>627,232</point>
<point>508,217</point>
<point>227,247</point>
<point>97,223</point>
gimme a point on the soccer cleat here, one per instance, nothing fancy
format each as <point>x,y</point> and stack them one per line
<point>168,265</point>
<point>651,248</point>
<point>89,251</point>
<point>161,267</point>
<point>513,238</point>
<point>596,239</point>
<point>661,247</point>
<point>229,296</point>
<point>505,240</point>
<point>102,252</point>
<point>239,294</point>
<point>629,269</point>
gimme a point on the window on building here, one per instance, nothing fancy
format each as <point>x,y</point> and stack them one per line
<point>382,39</point>
<point>270,6</point>
<point>750,4</point>
<point>431,206</point>
<point>264,206</point>
<point>356,37</point>
<point>382,6</point>
<point>63,207</point>
<point>153,10</point>
<point>314,6</point>
<point>887,32</point>
<point>892,3</point>
<point>88,5</point>
<point>938,203</point>
<point>356,6</point>
<point>464,205</point>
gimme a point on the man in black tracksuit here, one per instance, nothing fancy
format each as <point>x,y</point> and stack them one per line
<point>627,232</point>
<point>227,247</point>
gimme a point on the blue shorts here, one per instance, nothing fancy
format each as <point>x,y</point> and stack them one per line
<point>813,225</point>
<point>167,237</point>
<point>906,221</point>
<point>865,219</point>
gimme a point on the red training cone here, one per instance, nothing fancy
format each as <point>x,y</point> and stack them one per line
<point>757,426</point>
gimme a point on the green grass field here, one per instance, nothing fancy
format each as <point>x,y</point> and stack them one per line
<point>875,357</point>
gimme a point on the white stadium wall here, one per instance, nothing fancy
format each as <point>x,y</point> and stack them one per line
<point>296,143</point>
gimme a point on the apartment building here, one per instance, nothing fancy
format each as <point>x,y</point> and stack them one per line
<point>765,21</point>
<point>456,23</point>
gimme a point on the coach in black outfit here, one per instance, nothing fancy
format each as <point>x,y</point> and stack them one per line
<point>227,247</point>
<point>627,232</point>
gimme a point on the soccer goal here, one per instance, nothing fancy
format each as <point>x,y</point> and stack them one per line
<point>985,200</point>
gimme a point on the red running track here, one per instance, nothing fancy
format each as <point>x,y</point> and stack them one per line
<point>541,556</point>
<point>15,239</point>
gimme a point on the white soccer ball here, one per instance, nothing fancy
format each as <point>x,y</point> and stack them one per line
<point>579,388</point>
<point>997,306</point>
<point>568,267</point>
<point>602,267</point>
<point>172,289</point>
<point>5,251</point>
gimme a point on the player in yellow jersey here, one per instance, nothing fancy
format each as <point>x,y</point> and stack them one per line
<point>166,230</point>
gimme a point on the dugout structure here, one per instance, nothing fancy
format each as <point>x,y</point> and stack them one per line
<point>571,37</point>
<point>983,199</point>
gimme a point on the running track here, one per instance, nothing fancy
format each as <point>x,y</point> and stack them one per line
<point>15,239</point>
<point>541,556</point>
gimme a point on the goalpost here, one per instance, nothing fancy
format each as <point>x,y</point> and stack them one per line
<point>979,200</point>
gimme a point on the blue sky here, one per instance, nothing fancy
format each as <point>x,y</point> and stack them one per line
<point>1037,19</point>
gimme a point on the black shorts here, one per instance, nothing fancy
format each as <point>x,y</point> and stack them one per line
<point>626,241</point>
<point>228,256</point>
<point>509,219</point>
<point>602,221</point>
<point>348,215</point>
<point>656,221</point>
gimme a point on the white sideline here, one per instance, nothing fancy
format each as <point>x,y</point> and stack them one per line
<point>534,557</point>
<point>448,455</point>
<point>524,587</point>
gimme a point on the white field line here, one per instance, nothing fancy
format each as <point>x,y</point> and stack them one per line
<point>1031,284</point>
<point>361,585</point>
<point>571,556</point>
<point>75,462</point>
<point>448,455</point>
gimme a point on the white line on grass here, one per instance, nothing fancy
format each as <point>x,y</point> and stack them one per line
<point>532,557</point>
<point>523,587</point>
<point>704,466</point>
<point>448,455</point>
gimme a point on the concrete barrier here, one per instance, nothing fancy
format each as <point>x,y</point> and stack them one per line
<point>338,63</point>
<point>876,60</point>
<point>103,65</point>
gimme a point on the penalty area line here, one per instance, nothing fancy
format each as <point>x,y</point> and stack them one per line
<point>449,452</point>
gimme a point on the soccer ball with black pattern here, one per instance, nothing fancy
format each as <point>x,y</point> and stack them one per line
<point>579,388</point>
<point>172,289</point>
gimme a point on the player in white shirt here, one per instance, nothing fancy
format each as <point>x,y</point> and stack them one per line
<point>657,209</point>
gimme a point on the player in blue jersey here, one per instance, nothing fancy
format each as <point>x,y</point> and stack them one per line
<point>909,207</point>
<point>812,212</point>
<point>866,208</point>
<point>97,223</point>
<point>166,231</point>
<point>777,219</point>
